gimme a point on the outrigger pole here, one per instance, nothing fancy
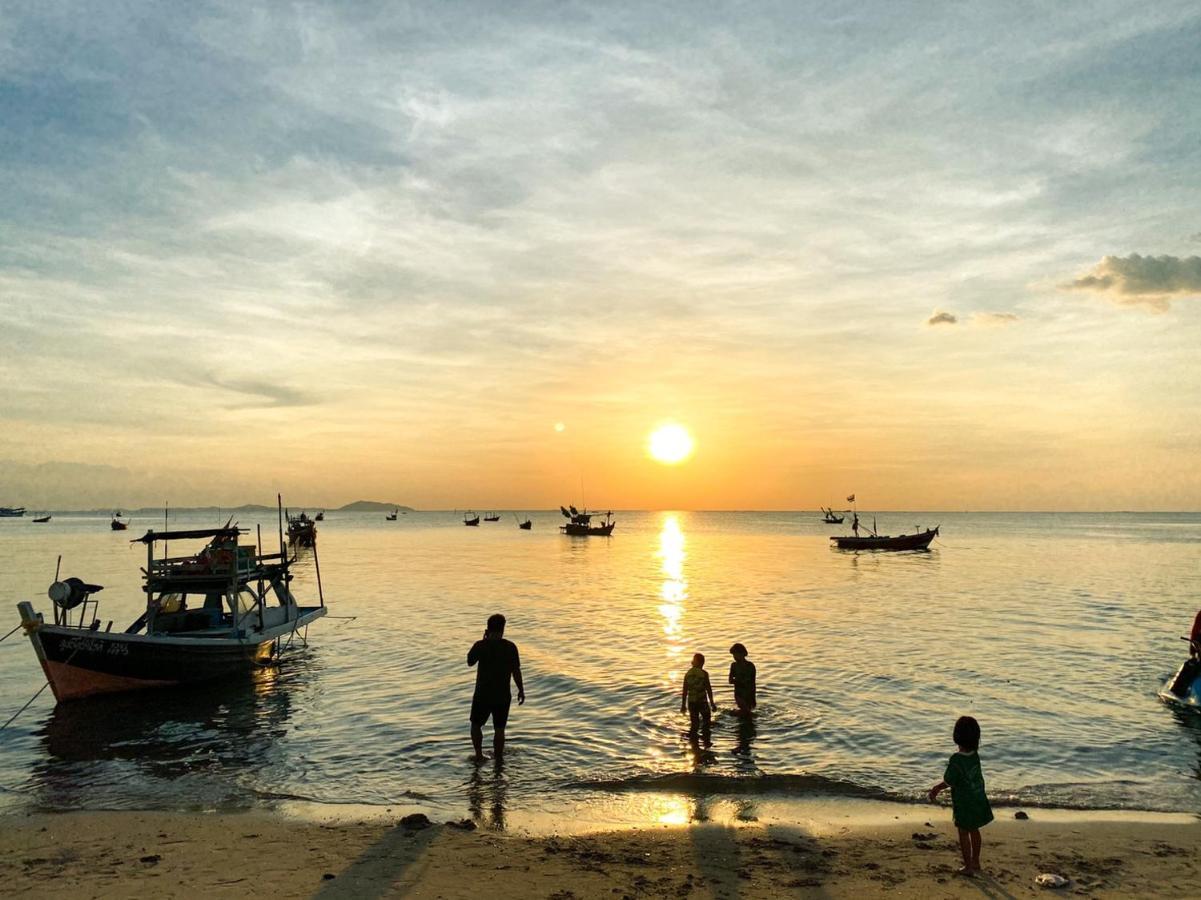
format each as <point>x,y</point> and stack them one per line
<point>317,564</point>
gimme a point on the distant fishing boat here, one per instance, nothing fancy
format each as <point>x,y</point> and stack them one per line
<point>391,517</point>
<point>40,519</point>
<point>470,518</point>
<point>580,523</point>
<point>320,517</point>
<point>828,516</point>
<point>526,525</point>
<point>245,606</point>
<point>11,512</point>
<point>918,541</point>
<point>302,531</point>
<point>116,524</point>
<point>492,517</point>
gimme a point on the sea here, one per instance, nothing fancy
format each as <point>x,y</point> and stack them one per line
<point>1056,631</point>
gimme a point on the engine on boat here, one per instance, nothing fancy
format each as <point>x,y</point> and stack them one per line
<point>71,592</point>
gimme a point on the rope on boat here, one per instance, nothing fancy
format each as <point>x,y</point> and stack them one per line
<point>13,717</point>
<point>941,543</point>
<point>11,633</point>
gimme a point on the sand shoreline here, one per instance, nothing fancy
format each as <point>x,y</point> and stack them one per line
<point>128,854</point>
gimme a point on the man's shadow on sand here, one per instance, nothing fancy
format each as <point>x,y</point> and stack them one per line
<point>378,870</point>
<point>399,852</point>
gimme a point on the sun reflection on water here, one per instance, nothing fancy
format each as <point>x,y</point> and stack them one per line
<point>674,591</point>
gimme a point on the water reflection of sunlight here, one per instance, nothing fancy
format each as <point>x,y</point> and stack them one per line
<point>674,590</point>
<point>673,811</point>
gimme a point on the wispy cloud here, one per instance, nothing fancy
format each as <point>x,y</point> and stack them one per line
<point>996,318</point>
<point>1149,281</point>
<point>262,393</point>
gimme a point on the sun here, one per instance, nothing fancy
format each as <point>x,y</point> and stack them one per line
<point>669,444</point>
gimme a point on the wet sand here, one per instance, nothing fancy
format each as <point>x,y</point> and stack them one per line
<point>134,854</point>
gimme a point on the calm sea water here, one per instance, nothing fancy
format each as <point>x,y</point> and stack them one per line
<point>1055,631</point>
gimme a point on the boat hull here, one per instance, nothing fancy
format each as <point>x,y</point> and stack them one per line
<point>919,541</point>
<point>80,663</point>
<point>587,530</point>
<point>1185,686</point>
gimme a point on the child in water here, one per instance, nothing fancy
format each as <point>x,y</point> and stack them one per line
<point>697,695</point>
<point>742,676</point>
<point>969,803</point>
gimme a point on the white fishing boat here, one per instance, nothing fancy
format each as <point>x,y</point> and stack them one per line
<point>215,613</point>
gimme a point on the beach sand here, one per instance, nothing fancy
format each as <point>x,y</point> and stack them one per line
<point>137,854</point>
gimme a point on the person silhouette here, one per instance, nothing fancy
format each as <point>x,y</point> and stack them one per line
<point>498,662</point>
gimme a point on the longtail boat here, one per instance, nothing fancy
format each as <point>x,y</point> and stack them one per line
<point>918,541</point>
<point>116,524</point>
<point>302,531</point>
<point>244,609</point>
<point>580,523</point>
<point>471,519</point>
<point>11,512</point>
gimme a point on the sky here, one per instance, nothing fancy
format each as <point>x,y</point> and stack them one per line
<point>941,255</point>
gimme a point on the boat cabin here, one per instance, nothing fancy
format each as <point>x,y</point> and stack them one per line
<point>224,590</point>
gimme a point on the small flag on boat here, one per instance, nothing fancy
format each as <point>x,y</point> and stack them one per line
<point>851,499</point>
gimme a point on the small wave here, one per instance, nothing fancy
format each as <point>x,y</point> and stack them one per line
<point>302,798</point>
<point>1066,797</point>
<point>741,784</point>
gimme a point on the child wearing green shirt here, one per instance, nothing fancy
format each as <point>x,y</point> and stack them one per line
<point>969,803</point>
<point>697,696</point>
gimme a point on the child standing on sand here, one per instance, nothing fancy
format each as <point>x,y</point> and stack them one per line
<point>742,676</point>
<point>969,803</point>
<point>697,695</point>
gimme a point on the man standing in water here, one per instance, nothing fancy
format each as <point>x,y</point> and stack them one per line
<point>498,662</point>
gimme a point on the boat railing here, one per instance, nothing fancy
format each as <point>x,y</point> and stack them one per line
<point>209,564</point>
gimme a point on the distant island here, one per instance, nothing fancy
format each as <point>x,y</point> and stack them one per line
<point>372,506</point>
<point>142,511</point>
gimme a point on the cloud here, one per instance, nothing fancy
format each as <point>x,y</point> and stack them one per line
<point>263,393</point>
<point>995,318</point>
<point>938,317</point>
<point>1150,281</point>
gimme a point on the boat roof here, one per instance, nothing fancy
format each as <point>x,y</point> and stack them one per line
<point>151,536</point>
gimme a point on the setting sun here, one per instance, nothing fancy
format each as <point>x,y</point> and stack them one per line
<point>670,444</point>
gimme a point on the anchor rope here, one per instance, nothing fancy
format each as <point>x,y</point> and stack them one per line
<point>11,633</point>
<point>13,717</point>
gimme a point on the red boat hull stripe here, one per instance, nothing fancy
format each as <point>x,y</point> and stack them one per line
<point>70,682</point>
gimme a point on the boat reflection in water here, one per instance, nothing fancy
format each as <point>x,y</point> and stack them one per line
<point>198,746</point>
